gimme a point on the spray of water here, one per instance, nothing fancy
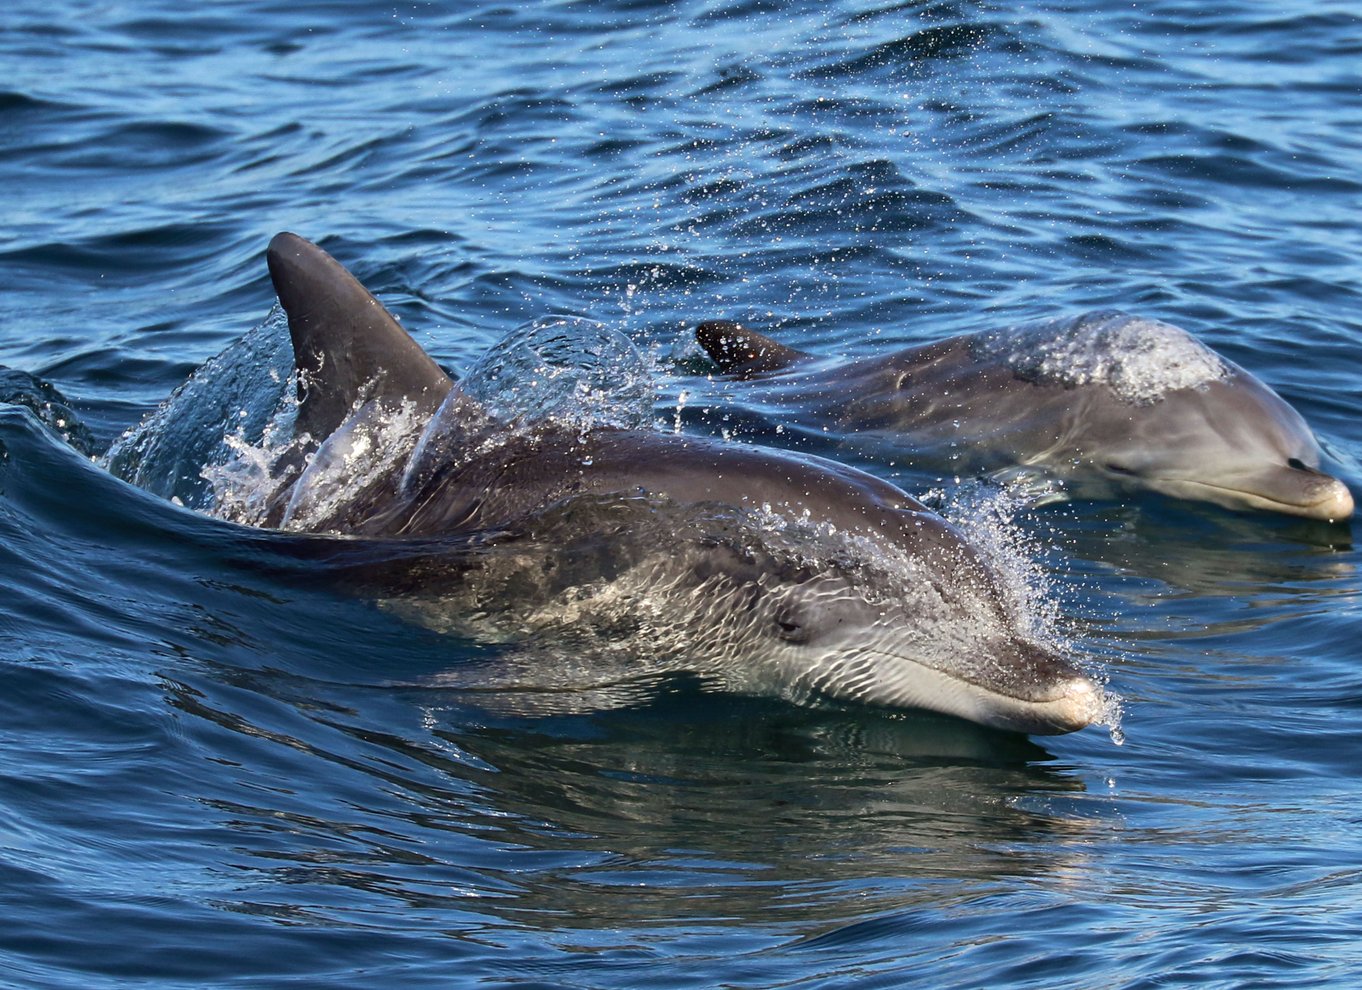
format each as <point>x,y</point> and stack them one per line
<point>988,515</point>
<point>217,427</point>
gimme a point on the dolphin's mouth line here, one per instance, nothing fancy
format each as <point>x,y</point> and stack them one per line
<point>1258,499</point>
<point>1077,701</point>
<point>981,684</point>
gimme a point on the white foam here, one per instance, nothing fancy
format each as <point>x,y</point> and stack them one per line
<point>1140,360</point>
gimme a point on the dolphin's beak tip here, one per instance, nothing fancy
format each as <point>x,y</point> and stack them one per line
<point>1082,704</point>
<point>1335,503</point>
<point>1345,504</point>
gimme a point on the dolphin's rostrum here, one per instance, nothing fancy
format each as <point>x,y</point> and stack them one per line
<point>754,570</point>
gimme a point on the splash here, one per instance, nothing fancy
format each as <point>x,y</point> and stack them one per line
<point>1139,359</point>
<point>236,404</point>
<point>987,514</point>
<point>567,369</point>
<point>245,485</point>
<point>374,442</point>
<point>224,441</point>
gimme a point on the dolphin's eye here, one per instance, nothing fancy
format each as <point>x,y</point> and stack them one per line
<point>789,628</point>
<point>1296,463</point>
<point>1115,468</point>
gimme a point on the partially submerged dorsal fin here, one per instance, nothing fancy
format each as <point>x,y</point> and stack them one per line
<point>345,344</point>
<point>737,349</point>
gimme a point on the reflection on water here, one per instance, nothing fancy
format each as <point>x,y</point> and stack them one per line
<point>693,808</point>
<point>1166,573</point>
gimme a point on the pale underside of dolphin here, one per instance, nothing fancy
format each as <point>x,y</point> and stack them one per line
<point>730,607</point>
<point>1104,403</point>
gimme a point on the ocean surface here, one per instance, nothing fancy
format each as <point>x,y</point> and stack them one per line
<point>220,770</point>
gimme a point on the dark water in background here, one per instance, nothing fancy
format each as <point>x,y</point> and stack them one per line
<point>207,775</point>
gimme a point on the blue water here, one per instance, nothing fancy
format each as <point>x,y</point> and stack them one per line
<point>209,777</point>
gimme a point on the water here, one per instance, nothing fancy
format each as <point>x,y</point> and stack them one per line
<point>219,770</point>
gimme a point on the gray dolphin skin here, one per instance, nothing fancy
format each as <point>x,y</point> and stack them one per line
<point>1105,404</point>
<point>755,570</point>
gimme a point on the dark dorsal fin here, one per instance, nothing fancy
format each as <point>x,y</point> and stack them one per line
<point>737,349</point>
<point>345,344</point>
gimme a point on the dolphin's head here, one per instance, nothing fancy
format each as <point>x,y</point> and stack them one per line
<point>913,619</point>
<point>840,645</point>
<point>1148,406</point>
<point>1232,442</point>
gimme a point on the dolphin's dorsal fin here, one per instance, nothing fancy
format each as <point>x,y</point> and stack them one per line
<point>345,344</point>
<point>739,350</point>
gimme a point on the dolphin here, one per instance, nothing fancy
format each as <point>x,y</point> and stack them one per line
<point>755,570</point>
<point>1104,404</point>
